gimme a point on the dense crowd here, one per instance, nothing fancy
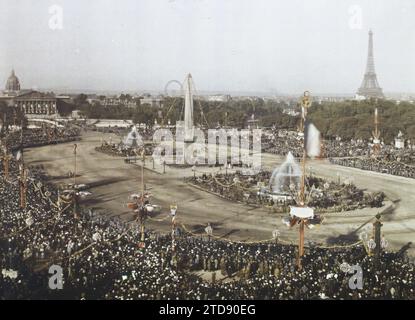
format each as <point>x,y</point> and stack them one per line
<point>146,133</point>
<point>101,259</point>
<point>357,153</point>
<point>33,137</point>
<point>282,142</point>
<point>121,150</point>
<point>396,168</point>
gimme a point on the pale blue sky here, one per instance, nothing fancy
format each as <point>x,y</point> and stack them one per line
<point>245,45</point>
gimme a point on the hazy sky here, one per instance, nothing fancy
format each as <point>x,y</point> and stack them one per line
<point>228,45</point>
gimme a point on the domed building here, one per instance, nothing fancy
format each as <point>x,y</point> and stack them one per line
<point>34,104</point>
<point>13,83</point>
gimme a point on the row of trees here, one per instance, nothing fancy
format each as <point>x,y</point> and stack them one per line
<point>355,119</point>
<point>235,113</point>
<point>347,119</point>
<point>231,113</point>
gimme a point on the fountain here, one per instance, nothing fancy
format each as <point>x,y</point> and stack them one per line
<point>285,177</point>
<point>133,138</point>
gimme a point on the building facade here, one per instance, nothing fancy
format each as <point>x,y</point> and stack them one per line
<point>34,104</point>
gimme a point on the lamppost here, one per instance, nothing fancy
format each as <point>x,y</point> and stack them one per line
<point>23,185</point>
<point>275,235</point>
<point>75,146</point>
<point>75,203</point>
<point>22,170</point>
<point>371,244</point>
<point>376,135</point>
<point>75,194</point>
<point>377,226</point>
<point>209,230</point>
<point>173,211</point>
<point>143,211</point>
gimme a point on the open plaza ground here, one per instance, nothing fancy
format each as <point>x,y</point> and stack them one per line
<point>112,181</point>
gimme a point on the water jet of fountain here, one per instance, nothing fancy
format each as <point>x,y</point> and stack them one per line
<point>286,176</point>
<point>133,138</point>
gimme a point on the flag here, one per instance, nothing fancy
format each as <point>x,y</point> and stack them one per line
<point>312,140</point>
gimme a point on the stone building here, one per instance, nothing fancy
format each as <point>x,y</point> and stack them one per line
<point>33,103</point>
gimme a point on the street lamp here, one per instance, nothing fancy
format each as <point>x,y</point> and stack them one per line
<point>209,230</point>
<point>371,244</point>
<point>384,243</point>
<point>275,235</point>
<point>173,210</point>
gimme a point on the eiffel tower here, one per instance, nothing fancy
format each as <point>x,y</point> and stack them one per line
<point>370,86</point>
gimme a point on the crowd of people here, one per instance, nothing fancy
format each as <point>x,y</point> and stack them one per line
<point>282,142</point>
<point>377,164</point>
<point>357,153</point>
<point>101,259</point>
<point>255,190</point>
<point>45,135</point>
<point>121,150</point>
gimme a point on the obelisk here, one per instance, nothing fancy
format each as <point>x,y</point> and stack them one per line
<point>188,110</point>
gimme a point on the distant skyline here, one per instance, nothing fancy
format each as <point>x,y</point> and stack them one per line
<point>280,47</point>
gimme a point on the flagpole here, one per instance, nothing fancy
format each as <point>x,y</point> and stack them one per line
<point>305,104</point>
<point>6,166</point>
<point>22,172</point>
<point>6,159</point>
<point>143,210</point>
<point>74,175</point>
<point>75,199</point>
<point>21,142</point>
<point>376,134</point>
<point>173,211</point>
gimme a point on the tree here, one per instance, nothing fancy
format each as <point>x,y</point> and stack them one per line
<point>10,115</point>
<point>80,99</point>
